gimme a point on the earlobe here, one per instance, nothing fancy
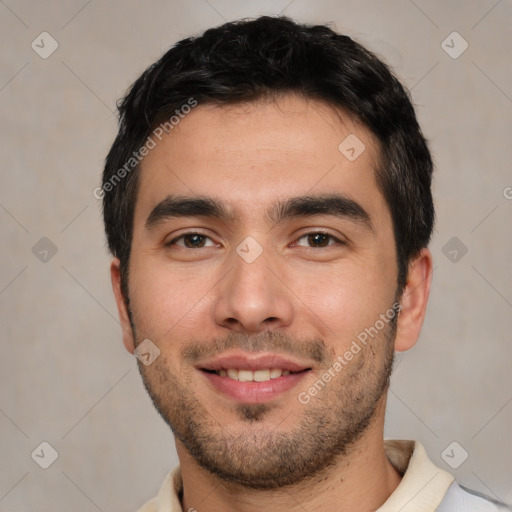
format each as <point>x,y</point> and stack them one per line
<point>115,274</point>
<point>414,301</point>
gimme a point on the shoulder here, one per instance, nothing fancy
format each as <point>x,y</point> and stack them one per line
<point>150,506</point>
<point>168,499</point>
<point>461,499</point>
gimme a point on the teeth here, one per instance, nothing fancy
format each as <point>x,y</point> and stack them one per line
<point>261,375</point>
<point>233,374</point>
<point>245,375</point>
<point>275,372</point>
<point>250,376</point>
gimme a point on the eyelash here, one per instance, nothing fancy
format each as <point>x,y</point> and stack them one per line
<point>191,233</point>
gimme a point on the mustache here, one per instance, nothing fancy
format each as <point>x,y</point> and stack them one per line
<point>266,341</point>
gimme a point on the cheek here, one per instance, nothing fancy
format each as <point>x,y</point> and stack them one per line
<point>166,303</point>
<point>343,303</point>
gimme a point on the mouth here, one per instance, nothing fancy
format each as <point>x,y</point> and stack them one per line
<point>253,378</point>
<point>262,375</point>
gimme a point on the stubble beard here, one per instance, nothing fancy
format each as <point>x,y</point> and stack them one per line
<point>256,456</point>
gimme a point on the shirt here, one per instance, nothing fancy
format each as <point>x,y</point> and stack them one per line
<point>424,487</point>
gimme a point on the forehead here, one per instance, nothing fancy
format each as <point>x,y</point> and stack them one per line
<point>251,154</point>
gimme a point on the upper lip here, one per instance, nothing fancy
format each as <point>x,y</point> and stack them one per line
<point>253,361</point>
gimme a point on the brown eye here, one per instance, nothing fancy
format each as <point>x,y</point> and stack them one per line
<point>318,240</point>
<point>192,241</point>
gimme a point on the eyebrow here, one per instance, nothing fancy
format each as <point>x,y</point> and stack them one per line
<point>337,205</point>
<point>180,206</point>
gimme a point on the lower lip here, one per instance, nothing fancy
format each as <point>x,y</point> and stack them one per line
<point>254,392</point>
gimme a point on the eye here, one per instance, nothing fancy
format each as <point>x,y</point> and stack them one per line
<point>192,241</point>
<point>318,240</point>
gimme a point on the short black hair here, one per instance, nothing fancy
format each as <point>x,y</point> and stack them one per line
<point>247,60</point>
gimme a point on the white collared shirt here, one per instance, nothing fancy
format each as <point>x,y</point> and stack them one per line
<point>424,486</point>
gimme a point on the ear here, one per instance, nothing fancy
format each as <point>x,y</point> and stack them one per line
<point>115,274</point>
<point>414,301</point>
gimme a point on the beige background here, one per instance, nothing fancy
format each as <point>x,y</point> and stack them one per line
<point>67,380</point>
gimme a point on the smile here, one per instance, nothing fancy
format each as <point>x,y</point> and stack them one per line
<point>252,376</point>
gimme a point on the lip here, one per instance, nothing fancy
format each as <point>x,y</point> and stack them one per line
<point>253,392</point>
<point>253,361</point>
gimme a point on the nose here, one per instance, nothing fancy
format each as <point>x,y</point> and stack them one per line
<point>252,297</point>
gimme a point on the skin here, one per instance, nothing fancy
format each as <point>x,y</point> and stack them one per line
<point>293,297</point>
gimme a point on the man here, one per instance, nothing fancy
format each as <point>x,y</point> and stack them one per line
<point>267,201</point>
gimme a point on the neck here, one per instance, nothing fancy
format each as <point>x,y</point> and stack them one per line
<point>361,481</point>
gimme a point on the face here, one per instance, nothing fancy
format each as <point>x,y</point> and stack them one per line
<point>260,255</point>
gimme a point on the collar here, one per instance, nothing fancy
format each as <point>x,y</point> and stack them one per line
<point>423,484</point>
<point>422,488</point>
